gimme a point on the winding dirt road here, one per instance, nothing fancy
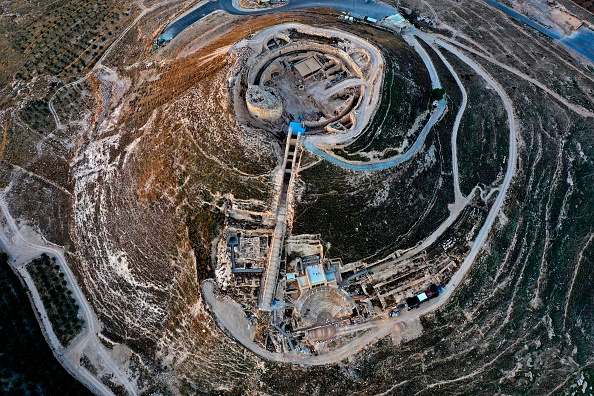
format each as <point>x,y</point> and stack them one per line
<point>22,248</point>
<point>231,321</point>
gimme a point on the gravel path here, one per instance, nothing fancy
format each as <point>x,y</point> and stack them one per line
<point>23,246</point>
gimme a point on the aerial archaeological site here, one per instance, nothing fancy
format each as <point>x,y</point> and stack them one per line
<point>297,197</point>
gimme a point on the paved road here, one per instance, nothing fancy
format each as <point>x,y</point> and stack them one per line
<point>386,327</point>
<point>226,5</point>
<point>580,42</point>
<point>454,140</point>
<point>419,142</point>
<point>554,34</point>
<point>382,164</point>
<point>372,9</point>
<point>460,201</point>
<point>512,157</point>
<point>509,174</point>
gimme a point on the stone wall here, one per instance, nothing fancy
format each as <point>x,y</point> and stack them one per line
<point>264,103</point>
<point>266,58</point>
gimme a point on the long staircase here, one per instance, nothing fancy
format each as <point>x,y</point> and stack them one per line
<point>291,159</point>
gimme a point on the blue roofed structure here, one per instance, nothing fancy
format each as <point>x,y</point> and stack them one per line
<point>316,275</point>
<point>296,128</point>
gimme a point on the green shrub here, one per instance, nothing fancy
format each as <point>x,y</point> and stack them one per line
<point>438,93</point>
<point>61,308</point>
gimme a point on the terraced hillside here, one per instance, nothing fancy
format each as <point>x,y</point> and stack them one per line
<point>130,174</point>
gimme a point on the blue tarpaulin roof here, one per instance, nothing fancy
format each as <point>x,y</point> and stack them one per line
<point>315,273</point>
<point>296,127</point>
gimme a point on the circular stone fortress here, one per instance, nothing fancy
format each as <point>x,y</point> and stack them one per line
<point>328,80</point>
<point>295,78</point>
